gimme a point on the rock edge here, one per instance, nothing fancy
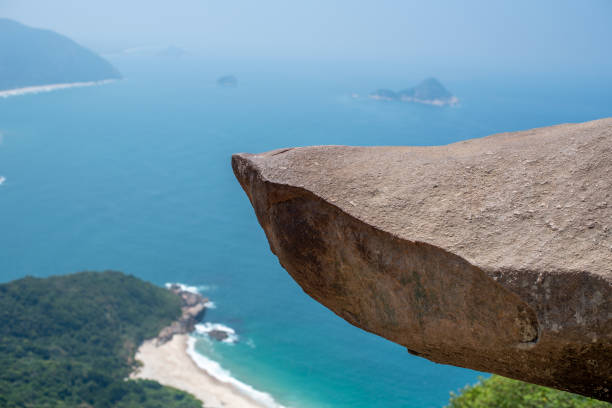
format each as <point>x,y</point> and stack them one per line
<point>493,254</point>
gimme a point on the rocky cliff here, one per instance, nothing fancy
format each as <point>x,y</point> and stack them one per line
<point>493,254</point>
<point>193,307</point>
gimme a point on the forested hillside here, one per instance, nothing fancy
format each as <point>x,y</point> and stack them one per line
<point>69,341</point>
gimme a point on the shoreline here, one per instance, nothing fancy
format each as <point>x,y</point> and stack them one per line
<point>50,87</point>
<point>452,101</point>
<point>170,364</point>
<point>171,358</point>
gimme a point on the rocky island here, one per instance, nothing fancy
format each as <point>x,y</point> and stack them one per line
<point>493,254</point>
<point>429,92</point>
<point>34,60</point>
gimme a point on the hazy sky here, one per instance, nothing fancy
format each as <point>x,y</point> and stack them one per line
<point>520,34</point>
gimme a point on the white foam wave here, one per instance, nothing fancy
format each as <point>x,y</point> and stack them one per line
<point>48,88</point>
<point>186,288</point>
<point>210,305</point>
<point>207,327</point>
<point>2,180</point>
<point>215,370</point>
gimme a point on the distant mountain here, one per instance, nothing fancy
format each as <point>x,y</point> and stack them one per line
<point>228,81</point>
<point>33,57</point>
<point>429,91</point>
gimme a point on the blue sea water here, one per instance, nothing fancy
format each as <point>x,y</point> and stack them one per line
<point>135,176</point>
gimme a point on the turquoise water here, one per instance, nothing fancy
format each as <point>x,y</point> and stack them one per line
<point>136,176</point>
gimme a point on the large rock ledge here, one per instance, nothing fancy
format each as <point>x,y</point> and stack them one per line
<point>493,254</point>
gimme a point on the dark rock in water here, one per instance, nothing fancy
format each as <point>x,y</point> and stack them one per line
<point>218,335</point>
<point>228,81</point>
<point>429,92</point>
<point>493,254</point>
<point>193,308</point>
<point>34,57</point>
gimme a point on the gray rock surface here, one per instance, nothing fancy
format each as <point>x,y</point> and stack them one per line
<point>493,254</point>
<point>218,335</point>
<point>193,307</point>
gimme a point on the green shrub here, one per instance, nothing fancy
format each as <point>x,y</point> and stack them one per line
<point>501,392</point>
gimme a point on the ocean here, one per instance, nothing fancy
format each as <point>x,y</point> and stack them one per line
<point>135,176</point>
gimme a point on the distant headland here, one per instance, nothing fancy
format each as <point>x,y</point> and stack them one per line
<point>429,92</point>
<point>34,60</point>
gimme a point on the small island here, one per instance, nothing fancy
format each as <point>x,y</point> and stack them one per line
<point>429,92</point>
<point>35,60</point>
<point>228,81</point>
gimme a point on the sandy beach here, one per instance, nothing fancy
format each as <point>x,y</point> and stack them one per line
<point>48,88</point>
<point>170,365</point>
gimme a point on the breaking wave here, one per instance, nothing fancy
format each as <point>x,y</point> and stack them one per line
<point>212,367</point>
<point>50,87</point>
<point>186,288</point>
<point>215,370</point>
<point>207,327</point>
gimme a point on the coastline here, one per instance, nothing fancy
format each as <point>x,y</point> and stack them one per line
<point>171,358</point>
<point>50,87</point>
<point>171,365</point>
<point>452,101</point>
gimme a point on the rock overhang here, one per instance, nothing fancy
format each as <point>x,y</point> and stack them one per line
<point>504,241</point>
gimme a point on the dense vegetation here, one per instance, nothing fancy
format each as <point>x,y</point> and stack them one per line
<point>30,57</point>
<point>501,392</point>
<point>69,341</point>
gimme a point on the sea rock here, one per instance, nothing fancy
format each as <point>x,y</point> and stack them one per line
<point>493,254</point>
<point>218,335</point>
<point>193,307</point>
